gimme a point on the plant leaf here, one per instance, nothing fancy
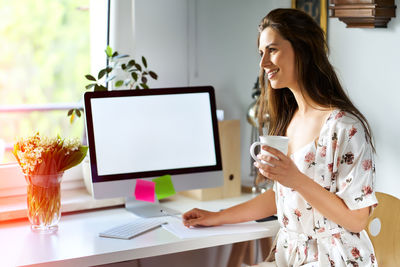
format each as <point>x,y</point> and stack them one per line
<point>74,158</point>
<point>138,67</point>
<point>144,62</point>
<point>90,86</point>
<point>70,112</point>
<point>134,76</point>
<point>144,80</point>
<point>109,51</point>
<point>119,83</point>
<point>78,112</point>
<point>131,63</point>
<point>115,54</point>
<point>71,120</point>
<point>144,86</point>
<point>153,75</point>
<point>90,77</point>
<point>102,73</point>
<point>123,66</point>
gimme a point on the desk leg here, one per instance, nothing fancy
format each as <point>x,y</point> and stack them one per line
<point>250,251</point>
<point>266,244</point>
<point>237,254</point>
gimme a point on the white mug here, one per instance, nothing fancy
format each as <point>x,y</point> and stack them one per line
<point>277,142</point>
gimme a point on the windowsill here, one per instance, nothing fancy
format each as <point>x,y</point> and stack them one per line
<point>77,199</point>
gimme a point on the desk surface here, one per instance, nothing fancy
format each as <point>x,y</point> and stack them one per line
<point>77,242</point>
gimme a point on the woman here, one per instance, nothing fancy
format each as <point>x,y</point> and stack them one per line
<point>323,190</point>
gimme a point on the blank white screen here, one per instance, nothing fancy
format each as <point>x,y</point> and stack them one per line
<point>153,132</point>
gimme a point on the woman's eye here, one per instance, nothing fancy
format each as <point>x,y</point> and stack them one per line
<point>271,49</point>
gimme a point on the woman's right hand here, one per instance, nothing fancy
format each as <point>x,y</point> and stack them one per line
<point>199,217</point>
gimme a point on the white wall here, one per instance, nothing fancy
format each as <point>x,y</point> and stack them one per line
<point>368,64</point>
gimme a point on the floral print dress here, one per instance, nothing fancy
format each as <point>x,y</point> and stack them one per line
<point>342,162</point>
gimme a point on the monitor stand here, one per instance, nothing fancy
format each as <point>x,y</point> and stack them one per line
<point>148,209</point>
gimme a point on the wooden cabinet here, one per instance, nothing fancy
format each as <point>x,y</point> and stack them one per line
<point>363,13</point>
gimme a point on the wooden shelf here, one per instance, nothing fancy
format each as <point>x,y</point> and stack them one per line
<point>363,13</point>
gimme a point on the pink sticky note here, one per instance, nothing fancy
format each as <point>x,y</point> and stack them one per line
<point>145,190</point>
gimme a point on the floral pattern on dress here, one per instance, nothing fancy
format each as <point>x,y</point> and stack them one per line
<point>347,158</point>
<point>366,190</point>
<point>367,164</point>
<point>285,220</point>
<point>342,163</point>
<point>322,152</point>
<point>339,115</point>
<point>352,132</point>
<point>310,159</point>
<point>356,254</point>
<point>297,213</point>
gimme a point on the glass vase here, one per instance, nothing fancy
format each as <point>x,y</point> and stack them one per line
<point>44,202</point>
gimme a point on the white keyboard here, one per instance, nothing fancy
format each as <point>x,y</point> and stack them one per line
<point>134,228</point>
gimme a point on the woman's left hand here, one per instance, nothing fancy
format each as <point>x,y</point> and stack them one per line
<point>283,169</point>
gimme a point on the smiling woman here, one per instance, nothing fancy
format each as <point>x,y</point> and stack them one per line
<point>324,186</point>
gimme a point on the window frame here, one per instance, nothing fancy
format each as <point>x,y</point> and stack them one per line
<point>27,108</point>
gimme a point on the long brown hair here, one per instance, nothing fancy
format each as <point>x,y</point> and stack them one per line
<point>317,77</point>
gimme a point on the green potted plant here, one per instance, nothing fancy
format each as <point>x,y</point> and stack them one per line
<point>122,73</point>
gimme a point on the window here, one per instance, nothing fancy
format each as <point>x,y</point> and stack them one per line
<point>47,48</point>
<point>45,53</point>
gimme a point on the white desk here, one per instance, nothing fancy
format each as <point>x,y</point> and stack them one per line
<point>77,242</point>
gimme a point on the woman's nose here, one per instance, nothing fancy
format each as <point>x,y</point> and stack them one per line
<point>265,60</point>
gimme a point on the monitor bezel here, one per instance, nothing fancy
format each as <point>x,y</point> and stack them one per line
<point>96,178</point>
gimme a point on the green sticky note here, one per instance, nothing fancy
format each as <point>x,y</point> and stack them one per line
<point>164,186</point>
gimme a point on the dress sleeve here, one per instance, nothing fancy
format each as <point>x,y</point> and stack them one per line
<point>355,168</point>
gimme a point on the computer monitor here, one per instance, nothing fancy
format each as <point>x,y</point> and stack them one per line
<point>144,134</point>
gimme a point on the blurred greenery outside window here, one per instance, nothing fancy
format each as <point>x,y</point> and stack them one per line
<point>45,48</point>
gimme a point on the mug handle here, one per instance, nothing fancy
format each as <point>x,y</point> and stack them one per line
<point>252,147</point>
